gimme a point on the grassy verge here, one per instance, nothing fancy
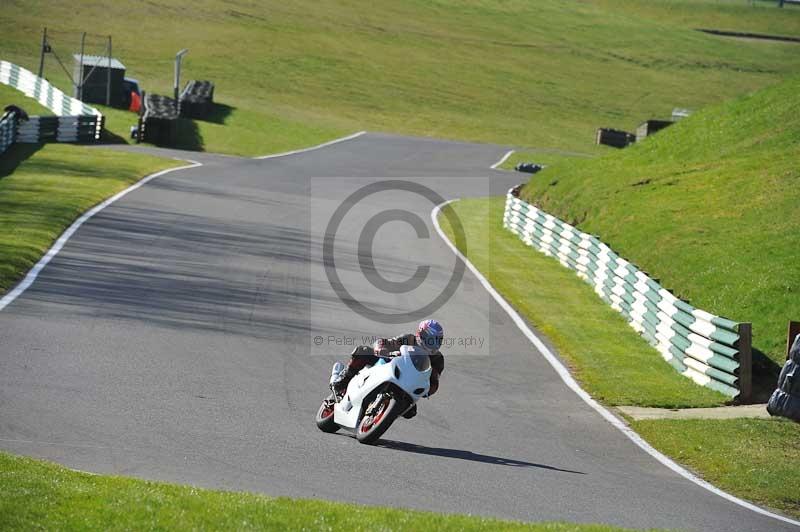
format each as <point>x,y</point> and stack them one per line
<point>543,74</point>
<point>236,131</point>
<point>708,206</point>
<point>43,189</point>
<point>610,360</point>
<point>40,495</point>
<point>752,458</point>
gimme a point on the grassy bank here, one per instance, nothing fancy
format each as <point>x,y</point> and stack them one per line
<point>752,458</point>
<point>9,96</point>
<point>542,74</point>
<point>708,206</point>
<point>43,189</point>
<point>610,360</point>
<point>40,495</point>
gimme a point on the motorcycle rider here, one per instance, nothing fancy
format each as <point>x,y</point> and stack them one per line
<point>429,336</point>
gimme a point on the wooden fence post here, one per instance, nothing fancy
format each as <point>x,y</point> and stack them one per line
<point>793,331</point>
<point>745,363</point>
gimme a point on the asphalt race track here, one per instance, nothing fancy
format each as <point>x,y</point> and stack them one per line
<point>173,338</point>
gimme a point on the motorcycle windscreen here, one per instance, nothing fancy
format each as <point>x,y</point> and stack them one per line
<point>420,361</point>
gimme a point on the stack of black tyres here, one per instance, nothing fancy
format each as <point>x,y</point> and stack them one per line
<point>530,168</point>
<point>197,99</point>
<point>159,120</point>
<point>614,137</point>
<point>785,401</point>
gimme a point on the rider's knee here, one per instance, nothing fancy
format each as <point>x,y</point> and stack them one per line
<point>362,351</point>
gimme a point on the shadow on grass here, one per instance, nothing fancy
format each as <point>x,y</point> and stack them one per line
<point>16,154</point>
<point>765,376</point>
<point>219,113</point>
<point>109,137</point>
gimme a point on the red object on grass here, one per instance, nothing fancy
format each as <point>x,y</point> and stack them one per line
<point>136,102</point>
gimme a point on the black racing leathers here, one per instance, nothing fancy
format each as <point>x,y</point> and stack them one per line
<point>366,356</point>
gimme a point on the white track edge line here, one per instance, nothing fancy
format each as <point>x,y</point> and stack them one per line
<point>565,375</point>
<point>502,160</point>
<point>55,248</point>
<point>318,146</point>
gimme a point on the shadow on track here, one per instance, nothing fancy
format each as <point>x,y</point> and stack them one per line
<point>183,271</point>
<point>466,455</point>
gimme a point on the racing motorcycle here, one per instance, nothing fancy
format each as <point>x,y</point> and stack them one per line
<point>377,395</point>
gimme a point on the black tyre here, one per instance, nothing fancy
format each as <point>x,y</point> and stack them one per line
<point>325,421</point>
<point>373,425</point>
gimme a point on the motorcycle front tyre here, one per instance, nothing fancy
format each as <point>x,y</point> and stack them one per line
<point>369,433</point>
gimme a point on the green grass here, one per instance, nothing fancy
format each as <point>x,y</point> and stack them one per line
<point>709,206</point>
<point>752,458</point>
<point>610,360</point>
<point>41,495</point>
<point>9,96</point>
<point>43,189</point>
<point>543,74</point>
<point>722,15</point>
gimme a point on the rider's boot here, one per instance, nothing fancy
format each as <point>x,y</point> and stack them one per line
<point>411,412</point>
<point>339,385</point>
<point>361,357</point>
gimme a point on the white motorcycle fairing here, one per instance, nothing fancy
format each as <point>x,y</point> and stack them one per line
<point>399,371</point>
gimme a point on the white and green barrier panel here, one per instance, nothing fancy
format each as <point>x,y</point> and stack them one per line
<point>74,121</point>
<point>8,131</point>
<point>713,351</point>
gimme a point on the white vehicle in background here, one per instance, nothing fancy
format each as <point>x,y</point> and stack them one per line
<point>377,395</point>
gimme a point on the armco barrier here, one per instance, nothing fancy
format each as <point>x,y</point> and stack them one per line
<point>74,121</point>
<point>712,351</point>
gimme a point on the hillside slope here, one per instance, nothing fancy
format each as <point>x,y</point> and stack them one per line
<point>711,206</point>
<point>543,73</point>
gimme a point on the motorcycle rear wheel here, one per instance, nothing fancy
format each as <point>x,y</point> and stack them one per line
<point>325,421</point>
<point>372,427</point>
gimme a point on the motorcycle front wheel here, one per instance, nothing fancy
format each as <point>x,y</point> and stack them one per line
<point>325,421</point>
<point>375,423</point>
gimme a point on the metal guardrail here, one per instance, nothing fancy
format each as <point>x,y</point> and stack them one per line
<point>74,121</point>
<point>713,351</point>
